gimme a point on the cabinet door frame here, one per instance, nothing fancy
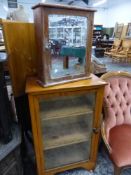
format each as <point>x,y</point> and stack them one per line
<point>45,30</point>
<point>37,134</point>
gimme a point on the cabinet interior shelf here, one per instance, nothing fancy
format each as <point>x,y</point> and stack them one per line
<point>64,132</point>
<point>64,111</point>
<point>67,155</point>
<point>73,138</point>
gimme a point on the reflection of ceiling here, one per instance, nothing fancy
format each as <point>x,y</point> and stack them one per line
<point>81,3</point>
<point>89,3</point>
<point>107,4</point>
<point>68,2</point>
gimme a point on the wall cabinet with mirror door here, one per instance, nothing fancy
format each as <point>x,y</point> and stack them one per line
<point>66,124</point>
<point>64,40</point>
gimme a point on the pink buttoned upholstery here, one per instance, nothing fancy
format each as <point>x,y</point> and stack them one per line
<point>117,118</point>
<point>120,142</point>
<point>117,102</point>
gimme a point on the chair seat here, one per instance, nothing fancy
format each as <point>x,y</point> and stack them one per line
<point>120,155</point>
<point>119,55</point>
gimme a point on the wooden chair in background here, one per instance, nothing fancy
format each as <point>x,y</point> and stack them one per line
<point>115,47</point>
<point>124,53</point>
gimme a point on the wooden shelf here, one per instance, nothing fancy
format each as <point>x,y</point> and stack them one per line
<point>67,132</point>
<point>67,155</point>
<point>62,113</point>
<point>74,106</point>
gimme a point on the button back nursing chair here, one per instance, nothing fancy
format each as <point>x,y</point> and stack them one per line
<point>116,125</point>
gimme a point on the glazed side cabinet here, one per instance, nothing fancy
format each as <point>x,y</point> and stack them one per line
<point>66,124</point>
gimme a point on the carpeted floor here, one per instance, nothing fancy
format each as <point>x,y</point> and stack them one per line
<point>103,167</point>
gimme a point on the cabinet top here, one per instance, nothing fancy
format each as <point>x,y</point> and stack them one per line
<point>33,87</point>
<point>61,6</point>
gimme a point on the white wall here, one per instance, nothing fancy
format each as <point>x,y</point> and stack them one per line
<point>120,13</point>
<point>100,16</point>
<point>26,3</point>
<point>3,5</point>
<point>116,11</point>
<point>110,13</point>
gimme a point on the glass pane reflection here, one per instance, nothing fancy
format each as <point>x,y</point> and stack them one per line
<point>67,45</point>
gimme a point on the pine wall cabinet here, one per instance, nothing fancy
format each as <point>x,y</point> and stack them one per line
<point>66,124</point>
<point>64,40</point>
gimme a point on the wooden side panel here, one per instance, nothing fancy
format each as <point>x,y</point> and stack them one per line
<point>21,49</point>
<point>39,34</point>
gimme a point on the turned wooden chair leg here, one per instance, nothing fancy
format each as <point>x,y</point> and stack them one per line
<point>117,170</point>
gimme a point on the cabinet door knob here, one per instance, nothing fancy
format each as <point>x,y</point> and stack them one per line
<point>96,130</point>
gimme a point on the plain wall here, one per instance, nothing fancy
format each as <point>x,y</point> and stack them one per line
<point>27,6</point>
<point>117,11</point>
<point>107,15</point>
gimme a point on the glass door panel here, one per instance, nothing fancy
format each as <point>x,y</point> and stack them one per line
<point>66,125</point>
<point>66,47</point>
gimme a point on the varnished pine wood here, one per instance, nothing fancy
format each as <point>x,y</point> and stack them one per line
<point>36,93</point>
<point>21,49</point>
<point>34,87</point>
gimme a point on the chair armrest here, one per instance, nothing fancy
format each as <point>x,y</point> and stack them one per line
<point>104,137</point>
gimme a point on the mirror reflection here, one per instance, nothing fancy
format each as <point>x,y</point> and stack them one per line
<point>67,45</point>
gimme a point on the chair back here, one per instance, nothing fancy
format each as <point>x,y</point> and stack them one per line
<point>117,43</point>
<point>117,100</point>
<point>126,45</point>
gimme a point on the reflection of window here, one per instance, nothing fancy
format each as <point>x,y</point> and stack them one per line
<point>72,29</point>
<point>12,3</point>
<point>60,32</point>
<point>52,33</point>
